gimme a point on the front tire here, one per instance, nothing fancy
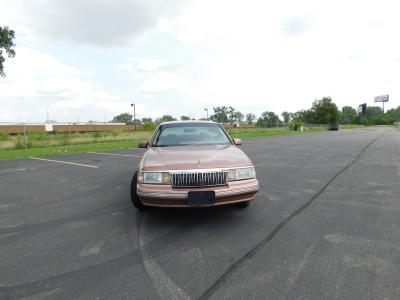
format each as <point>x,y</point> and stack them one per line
<point>134,197</point>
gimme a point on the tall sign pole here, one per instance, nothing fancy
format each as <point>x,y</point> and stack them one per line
<point>134,114</point>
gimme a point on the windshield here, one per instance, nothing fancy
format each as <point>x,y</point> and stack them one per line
<point>190,134</point>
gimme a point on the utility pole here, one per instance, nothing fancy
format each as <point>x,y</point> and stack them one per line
<point>134,114</point>
<point>206,109</point>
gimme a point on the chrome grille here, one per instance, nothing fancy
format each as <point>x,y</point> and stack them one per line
<point>199,178</point>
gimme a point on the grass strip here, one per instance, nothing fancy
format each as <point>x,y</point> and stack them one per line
<point>64,150</point>
<point>119,145</point>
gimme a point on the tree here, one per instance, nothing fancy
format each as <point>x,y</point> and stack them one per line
<point>6,42</point>
<point>238,116</point>
<point>324,111</point>
<point>376,116</point>
<point>165,118</point>
<point>250,118</point>
<point>304,116</point>
<point>185,118</point>
<point>286,117</point>
<point>122,118</point>
<point>231,114</point>
<point>268,119</point>
<point>348,115</point>
<point>220,114</point>
<point>147,120</point>
<point>394,114</point>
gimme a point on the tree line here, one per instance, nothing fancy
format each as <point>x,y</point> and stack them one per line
<point>323,111</point>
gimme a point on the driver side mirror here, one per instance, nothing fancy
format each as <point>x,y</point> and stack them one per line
<point>237,142</point>
<point>143,144</point>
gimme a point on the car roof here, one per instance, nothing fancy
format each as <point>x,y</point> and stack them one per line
<point>188,121</point>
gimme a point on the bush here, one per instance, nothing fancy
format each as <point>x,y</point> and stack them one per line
<point>116,133</point>
<point>63,139</point>
<point>149,126</point>
<point>19,143</point>
<point>39,137</point>
<point>4,137</point>
<point>97,134</point>
<point>295,125</point>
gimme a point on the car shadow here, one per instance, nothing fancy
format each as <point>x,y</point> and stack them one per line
<point>188,217</point>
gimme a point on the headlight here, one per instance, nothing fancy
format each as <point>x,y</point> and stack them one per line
<point>154,177</point>
<point>241,173</point>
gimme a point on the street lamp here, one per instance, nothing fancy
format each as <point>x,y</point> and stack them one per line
<point>206,109</point>
<point>134,114</point>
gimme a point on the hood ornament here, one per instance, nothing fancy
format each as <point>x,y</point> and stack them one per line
<point>198,164</point>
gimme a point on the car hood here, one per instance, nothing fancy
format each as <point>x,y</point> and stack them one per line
<point>194,157</point>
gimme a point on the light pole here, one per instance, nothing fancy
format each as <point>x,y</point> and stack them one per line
<point>206,109</point>
<point>134,114</point>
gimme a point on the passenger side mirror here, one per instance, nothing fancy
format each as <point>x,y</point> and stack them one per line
<point>237,142</point>
<point>143,144</point>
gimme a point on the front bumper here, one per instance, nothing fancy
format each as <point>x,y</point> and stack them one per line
<point>166,196</point>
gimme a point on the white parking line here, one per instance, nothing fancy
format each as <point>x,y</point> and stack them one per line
<point>64,162</point>
<point>115,154</point>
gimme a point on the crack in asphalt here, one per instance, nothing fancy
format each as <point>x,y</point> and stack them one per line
<point>248,255</point>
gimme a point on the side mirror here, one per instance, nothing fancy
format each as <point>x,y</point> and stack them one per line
<point>237,142</point>
<point>143,144</point>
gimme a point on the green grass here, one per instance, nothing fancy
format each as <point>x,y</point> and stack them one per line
<point>64,150</point>
<point>265,132</point>
<point>46,140</point>
<point>64,146</point>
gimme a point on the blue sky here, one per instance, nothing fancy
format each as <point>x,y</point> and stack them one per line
<point>90,59</point>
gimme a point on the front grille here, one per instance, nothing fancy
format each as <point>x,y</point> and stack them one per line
<point>199,178</point>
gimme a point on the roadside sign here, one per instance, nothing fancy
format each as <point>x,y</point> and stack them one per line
<point>382,98</point>
<point>362,109</point>
<point>48,127</point>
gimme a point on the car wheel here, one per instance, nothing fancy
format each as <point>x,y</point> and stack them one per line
<point>134,197</point>
<point>243,204</point>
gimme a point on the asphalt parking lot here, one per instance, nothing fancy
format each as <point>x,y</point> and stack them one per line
<point>325,224</point>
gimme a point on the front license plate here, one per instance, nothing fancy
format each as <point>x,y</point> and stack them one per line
<point>201,198</point>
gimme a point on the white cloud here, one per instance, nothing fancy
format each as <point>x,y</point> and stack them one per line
<point>92,22</point>
<point>37,81</point>
<point>282,55</point>
<point>146,64</point>
<point>139,66</point>
<point>254,55</point>
<point>165,82</point>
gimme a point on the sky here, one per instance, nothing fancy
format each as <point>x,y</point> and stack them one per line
<point>90,59</point>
